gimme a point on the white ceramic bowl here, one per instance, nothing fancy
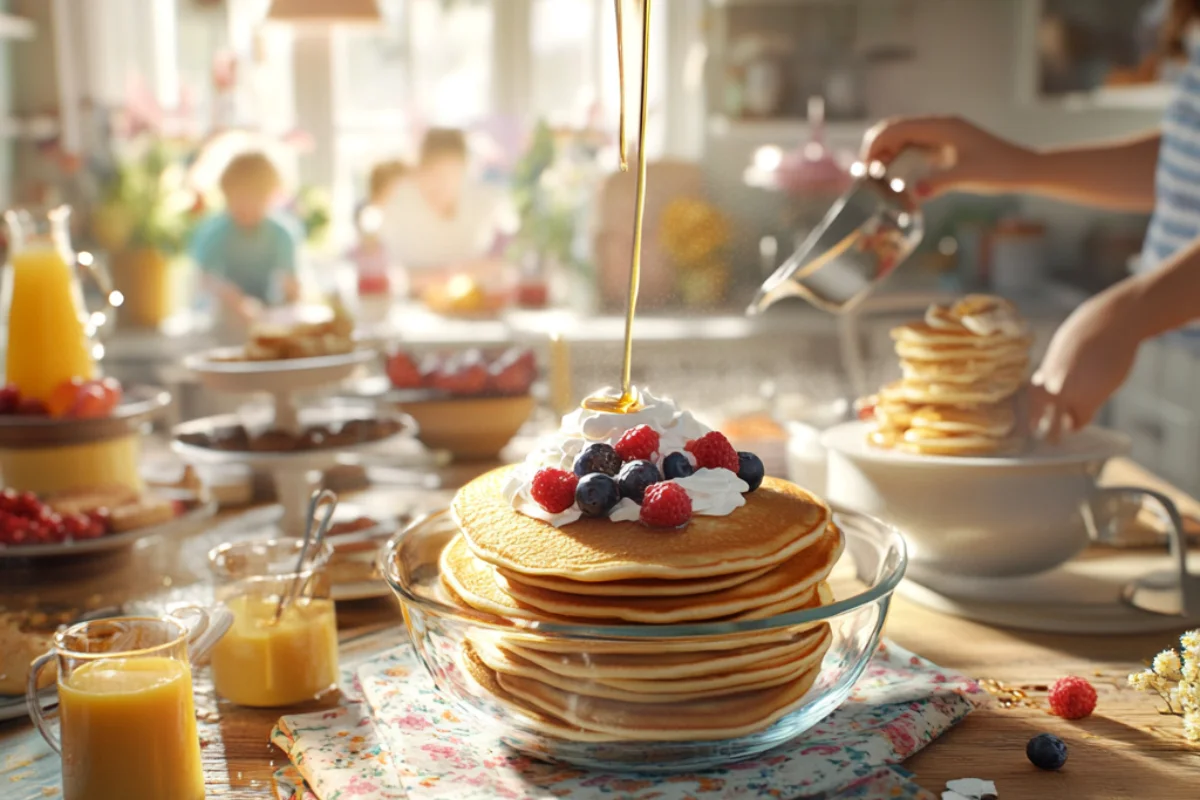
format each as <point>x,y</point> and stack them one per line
<point>987,516</point>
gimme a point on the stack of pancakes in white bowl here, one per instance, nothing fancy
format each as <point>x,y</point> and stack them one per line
<point>964,366</point>
<point>771,556</point>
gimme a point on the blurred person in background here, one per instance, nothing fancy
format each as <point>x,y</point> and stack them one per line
<point>1157,172</point>
<point>247,253</point>
<point>372,262</point>
<point>440,224</point>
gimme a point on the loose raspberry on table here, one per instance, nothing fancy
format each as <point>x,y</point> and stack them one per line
<point>713,450</point>
<point>554,489</point>
<point>666,505</point>
<point>1072,698</point>
<point>636,444</point>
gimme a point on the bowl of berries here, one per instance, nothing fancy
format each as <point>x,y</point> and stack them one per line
<point>470,403</point>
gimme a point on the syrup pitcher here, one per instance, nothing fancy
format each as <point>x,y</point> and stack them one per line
<point>869,232</point>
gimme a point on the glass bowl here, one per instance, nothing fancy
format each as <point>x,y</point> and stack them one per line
<point>863,582</point>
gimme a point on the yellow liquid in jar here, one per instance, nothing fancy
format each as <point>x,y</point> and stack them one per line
<point>129,731</point>
<point>92,465</point>
<point>47,343</point>
<point>263,664</point>
<point>627,401</point>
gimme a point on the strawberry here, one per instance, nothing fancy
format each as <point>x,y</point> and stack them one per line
<point>713,451</point>
<point>666,505</point>
<point>554,489</point>
<point>403,371</point>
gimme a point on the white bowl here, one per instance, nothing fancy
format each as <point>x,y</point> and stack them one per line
<point>983,516</point>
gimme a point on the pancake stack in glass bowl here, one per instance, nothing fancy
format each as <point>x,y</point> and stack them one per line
<point>594,633</point>
<point>964,366</point>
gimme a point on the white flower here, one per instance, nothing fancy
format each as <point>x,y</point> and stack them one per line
<point>1141,681</point>
<point>1167,665</point>
<point>1191,728</point>
<point>1190,640</point>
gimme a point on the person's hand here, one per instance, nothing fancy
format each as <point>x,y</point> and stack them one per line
<point>981,163</point>
<point>1088,360</point>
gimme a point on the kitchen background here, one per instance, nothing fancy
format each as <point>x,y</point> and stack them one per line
<point>128,109</point>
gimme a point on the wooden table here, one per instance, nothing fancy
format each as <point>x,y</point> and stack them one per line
<point>1128,749</point>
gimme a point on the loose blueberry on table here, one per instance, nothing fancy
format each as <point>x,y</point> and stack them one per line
<point>1046,751</point>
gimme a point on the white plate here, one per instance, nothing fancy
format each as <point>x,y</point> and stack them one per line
<point>1092,444</point>
<point>112,541</point>
<point>274,377</point>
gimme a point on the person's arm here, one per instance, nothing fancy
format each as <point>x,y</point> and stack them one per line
<point>286,267</point>
<point>1092,352</point>
<point>1117,175</point>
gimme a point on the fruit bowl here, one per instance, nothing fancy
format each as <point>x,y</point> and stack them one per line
<point>444,635</point>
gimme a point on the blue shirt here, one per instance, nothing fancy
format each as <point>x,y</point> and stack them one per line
<point>1175,223</point>
<point>249,258</point>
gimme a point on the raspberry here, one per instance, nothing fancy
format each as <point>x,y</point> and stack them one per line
<point>1072,698</point>
<point>638,444</point>
<point>554,489</point>
<point>713,450</point>
<point>666,505</point>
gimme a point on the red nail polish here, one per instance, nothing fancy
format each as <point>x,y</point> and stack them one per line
<point>922,189</point>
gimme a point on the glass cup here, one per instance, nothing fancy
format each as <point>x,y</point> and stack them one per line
<point>266,662</point>
<point>126,714</point>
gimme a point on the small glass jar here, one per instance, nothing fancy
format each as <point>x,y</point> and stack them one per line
<point>263,662</point>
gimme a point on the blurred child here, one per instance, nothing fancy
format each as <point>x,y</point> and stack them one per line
<point>369,255</point>
<point>247,253</point>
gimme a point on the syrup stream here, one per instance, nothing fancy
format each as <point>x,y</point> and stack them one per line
<point>621,77</point>
<point>627,401</point>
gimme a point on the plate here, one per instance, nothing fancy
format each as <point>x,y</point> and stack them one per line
<point>112,541</point>
<point>316,459</point>
<point>138,406</point>
<point>1091,444</point>
<point>274,377</point>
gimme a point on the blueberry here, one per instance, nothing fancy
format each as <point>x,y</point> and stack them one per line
<point>635,477</point>
<point>1046,751</point>
<point>598,457</point>
<point>596,494</point>
<point>676,465</point>
<point>750,469</point>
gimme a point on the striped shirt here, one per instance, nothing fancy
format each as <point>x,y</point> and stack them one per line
<point>1175,223</point>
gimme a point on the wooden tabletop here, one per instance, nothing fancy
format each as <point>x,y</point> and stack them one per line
<point>1127,749</point>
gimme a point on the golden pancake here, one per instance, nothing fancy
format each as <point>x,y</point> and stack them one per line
<point>928,442</point>
<point>962,371</point>
<point>724,717</point>
<point>649,587</point>
<point>777,521</point>
<point>995,421</point>
<point>485,679</point>
<point>773,672</point>
<point>895,414</point>
<point>820,596</point>
<point>922,333</point>
<point>824,596</point>
<point>796,575</point>
<point>473,583</point>
<point>983,393</point>
<point>1013,352</point>
<point>651,663</point>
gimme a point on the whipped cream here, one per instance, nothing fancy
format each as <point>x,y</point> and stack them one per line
<point>713,492</point>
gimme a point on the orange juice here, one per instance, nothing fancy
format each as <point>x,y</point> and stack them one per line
<point>266,664</point>
<point>129,731</point>
<point>47,343</point>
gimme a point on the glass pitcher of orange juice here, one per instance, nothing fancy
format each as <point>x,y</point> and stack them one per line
<point>125,706</point>
<point>269,662</point>
<point>50,333</point>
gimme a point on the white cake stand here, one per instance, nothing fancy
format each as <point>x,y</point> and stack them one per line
<point>295,473</point>
<point>219,371</point>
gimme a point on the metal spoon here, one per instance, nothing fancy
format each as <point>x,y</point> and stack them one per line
<point>314,537</point>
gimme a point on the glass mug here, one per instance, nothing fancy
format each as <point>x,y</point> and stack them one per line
<point>263,662</point>
<point>125,708</point>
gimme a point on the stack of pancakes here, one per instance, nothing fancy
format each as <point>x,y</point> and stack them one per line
<point>768,557</point>
<point>963,368</point>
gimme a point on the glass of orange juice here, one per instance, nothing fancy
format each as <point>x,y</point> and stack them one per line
<point>125,709</point>
<point>269,662</point>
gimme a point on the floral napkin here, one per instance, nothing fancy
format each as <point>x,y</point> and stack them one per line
<point>405,741</point>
